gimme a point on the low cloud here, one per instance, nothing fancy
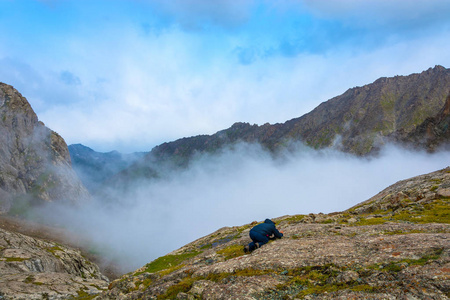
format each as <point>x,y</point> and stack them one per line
<point>234,188</point>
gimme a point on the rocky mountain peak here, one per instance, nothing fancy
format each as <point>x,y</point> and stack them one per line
<point>35,164</point>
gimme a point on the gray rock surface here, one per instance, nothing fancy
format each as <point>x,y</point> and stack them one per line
<point>395,245</point>
<point>34,160</point>
<point>36,269</point>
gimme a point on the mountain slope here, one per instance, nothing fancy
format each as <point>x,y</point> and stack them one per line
<point>433,133</point>
<point>361,118</point>
<point>94,168</point>
<point>35,164</point>
<point>395,245</point>
<point>360,121</point>
<point>31,268</point>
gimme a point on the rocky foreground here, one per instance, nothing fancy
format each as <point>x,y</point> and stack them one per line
<point>32,268</point>
<point>395,245</point>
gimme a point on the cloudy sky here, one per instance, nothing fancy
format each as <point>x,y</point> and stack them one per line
<point>128,75</point>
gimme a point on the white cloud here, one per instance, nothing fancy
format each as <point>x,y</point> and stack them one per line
<point>235,188</point>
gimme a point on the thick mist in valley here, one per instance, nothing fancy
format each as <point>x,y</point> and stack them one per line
<point>236,187</point>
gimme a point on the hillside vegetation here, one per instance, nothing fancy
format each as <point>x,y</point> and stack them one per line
<point>395,245</point>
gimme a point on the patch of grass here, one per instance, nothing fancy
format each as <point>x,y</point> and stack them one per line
<point>364,288</point>
<point>327,221</point>
<point>83,295</point>
<point>436,253</point>
<point>294,219</point>
<point>314,280</point>
<point>29,279</point>
<point>232,251</point>
<point>399,231</point>
<point>434,187</point>
<point>437,211</point>
<point>392,267</point>
<point>168,261</point>
<point>181,287</point>
<point>146,282</point>
<point>395,267</point>
<point>170,270</point>
<point>370,221</point>
<point>15,259</point>
<point>53,250</point>
<point>206,246</point>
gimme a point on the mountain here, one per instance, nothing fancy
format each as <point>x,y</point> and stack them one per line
<point>360,121</point>
<point>432,133</point>
<point>94,168</point>
<point>35,165</point>
<point>395,245</point>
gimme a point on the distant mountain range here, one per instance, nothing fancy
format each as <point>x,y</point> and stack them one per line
<point>94,168</point>
<point>412,111</point>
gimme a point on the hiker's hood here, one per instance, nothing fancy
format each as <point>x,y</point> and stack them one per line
<point>269,221</point>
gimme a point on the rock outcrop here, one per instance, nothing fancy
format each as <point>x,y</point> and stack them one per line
<point>432,134</point>
<point>36,269</point>
<point>395,245</point>
<point>35,163</point>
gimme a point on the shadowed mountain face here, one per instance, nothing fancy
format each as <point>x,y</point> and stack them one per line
<point>360,121</point>
<point>35,164</point>
<point>432,134</point>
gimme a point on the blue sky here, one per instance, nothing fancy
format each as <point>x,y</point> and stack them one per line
<point>128,75</point>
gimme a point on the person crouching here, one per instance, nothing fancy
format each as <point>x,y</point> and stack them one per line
<point>261,234</point>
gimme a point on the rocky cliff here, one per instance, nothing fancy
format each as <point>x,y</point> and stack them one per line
<point>432,134</point>
<point>31,268</point>
<point>395,245</point>
<point>35,164</point>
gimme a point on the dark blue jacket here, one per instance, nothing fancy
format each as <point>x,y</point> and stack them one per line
<point>267,228</point>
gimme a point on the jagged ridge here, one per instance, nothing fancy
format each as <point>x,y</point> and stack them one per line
<point>360,121</point>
